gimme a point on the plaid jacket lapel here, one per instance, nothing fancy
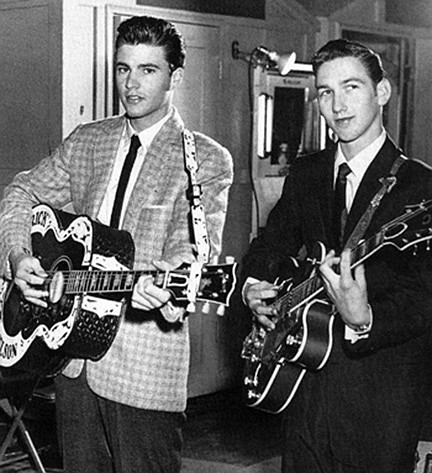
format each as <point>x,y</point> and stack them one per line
<point>164,156</point>
<point>106,145</point>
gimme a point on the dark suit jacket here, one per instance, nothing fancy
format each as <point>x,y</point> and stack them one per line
<point>375,387</point>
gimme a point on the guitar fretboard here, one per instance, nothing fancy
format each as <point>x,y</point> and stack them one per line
<point>95,281</point>
<point>209,283</point>
<point>313,286</point>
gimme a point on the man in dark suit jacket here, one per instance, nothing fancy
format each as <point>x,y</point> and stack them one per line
<point>362,412</point>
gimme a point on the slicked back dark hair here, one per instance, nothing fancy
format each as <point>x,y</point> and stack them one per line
<point>340,48</point>
<point>155,32</point>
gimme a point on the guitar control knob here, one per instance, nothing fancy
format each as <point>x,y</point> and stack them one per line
<point>292,340</point>
<point>206,308</point>
<point>252,394</point>
<point>248,381</point>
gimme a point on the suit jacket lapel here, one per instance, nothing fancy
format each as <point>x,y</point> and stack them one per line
<point>370,185</point>
<point>166,147</point>
<point>326,203</point>
<point>106,144</point>
<point>318,190</point>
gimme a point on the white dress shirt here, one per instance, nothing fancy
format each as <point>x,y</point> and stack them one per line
<point>358,165</point>
<point>146,137</point>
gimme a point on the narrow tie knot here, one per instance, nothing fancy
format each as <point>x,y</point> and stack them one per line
<point>135,144</point>
<point>123,181</point>
<point>343,172</point>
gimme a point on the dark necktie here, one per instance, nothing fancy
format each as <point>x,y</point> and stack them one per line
<point>123,181</point>
<point>340,210</point>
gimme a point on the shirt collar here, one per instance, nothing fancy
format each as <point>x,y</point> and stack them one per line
<point>361,161</point>
<point>146,136</point>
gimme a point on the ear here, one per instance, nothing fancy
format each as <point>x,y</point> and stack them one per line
<point>383,91</point>
<point>177,77</point>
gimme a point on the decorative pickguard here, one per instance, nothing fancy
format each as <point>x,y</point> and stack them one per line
<point>13,347</point>
<point>88,280</point>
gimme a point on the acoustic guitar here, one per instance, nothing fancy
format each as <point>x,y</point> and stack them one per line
<point>89,282</point>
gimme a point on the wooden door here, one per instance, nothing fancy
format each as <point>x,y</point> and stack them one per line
<point>30,85</point>
<point>198,97</point>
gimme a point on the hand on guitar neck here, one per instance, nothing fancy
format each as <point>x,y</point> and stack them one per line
<point>347,289</point>
<point>30,277</point>
<point>147,296</point>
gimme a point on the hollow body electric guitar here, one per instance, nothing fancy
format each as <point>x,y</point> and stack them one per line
<point>277,360</point>
<point>89,281</point>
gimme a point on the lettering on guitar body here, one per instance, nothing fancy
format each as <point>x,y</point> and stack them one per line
<point>44,220</point>
<point>88,266</point>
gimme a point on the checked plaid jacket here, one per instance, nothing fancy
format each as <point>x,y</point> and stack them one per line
<point>147,364</point>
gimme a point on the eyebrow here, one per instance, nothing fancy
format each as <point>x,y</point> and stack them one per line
<point>150,64</point>
<point>344,82</point>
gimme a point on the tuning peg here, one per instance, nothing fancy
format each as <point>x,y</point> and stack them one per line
<point>206,308</point>
<point>191,308</point>
<point>229,259</point>
<point>221,311</point>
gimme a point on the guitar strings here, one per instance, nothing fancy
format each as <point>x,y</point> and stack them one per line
<point>361,249</point>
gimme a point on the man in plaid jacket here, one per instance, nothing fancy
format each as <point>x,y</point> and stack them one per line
<point>124,412</point>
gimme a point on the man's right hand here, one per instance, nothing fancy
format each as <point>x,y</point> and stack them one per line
<point>29,276</point>
<point>256,296</point>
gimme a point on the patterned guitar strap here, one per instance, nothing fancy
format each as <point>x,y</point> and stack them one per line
<point>199,226</point>
<point>387,184</point>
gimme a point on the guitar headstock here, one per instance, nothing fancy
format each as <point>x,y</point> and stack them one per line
<point>215,283</point>
<point>411,228</point>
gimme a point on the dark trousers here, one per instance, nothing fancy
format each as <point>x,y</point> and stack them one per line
<point>320,437</point>
<point>101,436</point>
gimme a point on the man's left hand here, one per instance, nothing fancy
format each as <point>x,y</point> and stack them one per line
<point>146,295</point>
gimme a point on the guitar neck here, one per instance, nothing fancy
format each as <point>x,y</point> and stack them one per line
<point>313,286</point>
<point>193,282</point>
<point>96,281</point>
